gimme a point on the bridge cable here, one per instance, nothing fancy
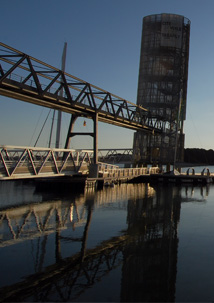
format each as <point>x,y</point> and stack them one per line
<point>51,131</point>
<point>36,126</point>
<point>42,128</point>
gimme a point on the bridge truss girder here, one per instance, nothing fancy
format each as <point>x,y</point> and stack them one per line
<point>25,78</point>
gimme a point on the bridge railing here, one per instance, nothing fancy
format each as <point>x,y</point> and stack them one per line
<point>31,162</point>
<point>114,171</point>
<point>21,162</point>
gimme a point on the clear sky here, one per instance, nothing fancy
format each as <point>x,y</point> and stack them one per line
<point>104,38</point>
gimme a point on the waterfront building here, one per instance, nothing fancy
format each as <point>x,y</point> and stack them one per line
<point>162,87</point>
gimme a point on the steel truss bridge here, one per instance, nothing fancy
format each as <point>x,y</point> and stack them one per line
<point>31,162</point>
<point>116,155</point>
<point>25,78</point>
<point>24,162</point>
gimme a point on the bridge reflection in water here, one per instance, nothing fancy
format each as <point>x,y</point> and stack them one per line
<point>118,244</point>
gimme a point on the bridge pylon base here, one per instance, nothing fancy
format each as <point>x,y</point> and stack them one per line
<point>94,171</point>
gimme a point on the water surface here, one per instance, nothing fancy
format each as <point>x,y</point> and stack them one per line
<point>129,243</point>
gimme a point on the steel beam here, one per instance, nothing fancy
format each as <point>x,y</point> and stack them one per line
<point>28,79</point>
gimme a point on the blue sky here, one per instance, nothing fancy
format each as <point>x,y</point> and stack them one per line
<point>104,38</point>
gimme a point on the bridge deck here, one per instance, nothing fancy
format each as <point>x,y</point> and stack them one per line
<point>31,162</point>
<point>25,78</point>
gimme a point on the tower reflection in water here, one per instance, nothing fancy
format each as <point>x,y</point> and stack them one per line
<point>150,257</point>
<point>128,229</point>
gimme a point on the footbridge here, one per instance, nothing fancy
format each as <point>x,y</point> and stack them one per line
<point>31,162</point>
<point>25,78</point>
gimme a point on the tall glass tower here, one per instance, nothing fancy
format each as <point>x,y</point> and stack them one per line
<point>162,87</point>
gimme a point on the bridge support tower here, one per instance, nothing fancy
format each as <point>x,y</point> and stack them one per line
<point>93,173</point>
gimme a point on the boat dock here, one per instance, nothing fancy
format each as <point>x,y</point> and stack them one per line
<point>190,176</point>
<point>182,179</point>
<point>152,176</point>
<point>175,177</point>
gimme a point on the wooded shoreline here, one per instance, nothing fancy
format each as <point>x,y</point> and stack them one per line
<point>199,156</point>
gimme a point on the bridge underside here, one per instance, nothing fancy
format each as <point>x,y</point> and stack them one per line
<point>28,79</point>
<point>9,89</point>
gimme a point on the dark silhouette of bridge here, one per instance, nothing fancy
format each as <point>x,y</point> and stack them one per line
<point>25,78</point>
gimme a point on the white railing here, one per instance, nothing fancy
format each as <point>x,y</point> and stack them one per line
<point>113,171</point>
<point>21,162</point>
<point>31,162</point>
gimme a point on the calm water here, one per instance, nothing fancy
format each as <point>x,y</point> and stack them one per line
<point>130,243</point>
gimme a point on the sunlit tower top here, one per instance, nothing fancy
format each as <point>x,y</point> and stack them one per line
<point>162,86</point>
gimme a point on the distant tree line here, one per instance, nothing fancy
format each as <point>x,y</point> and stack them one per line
<point>199,155</point>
